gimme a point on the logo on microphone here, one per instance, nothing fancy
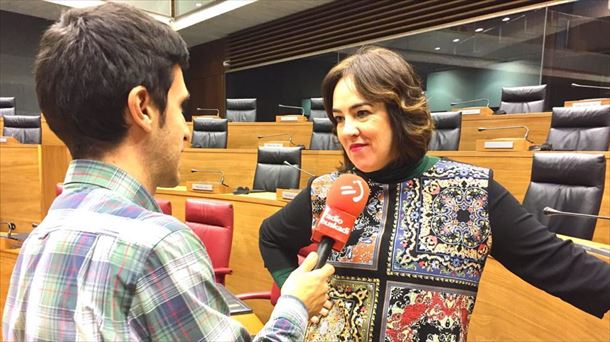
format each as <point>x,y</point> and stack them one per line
<point>351,190</point>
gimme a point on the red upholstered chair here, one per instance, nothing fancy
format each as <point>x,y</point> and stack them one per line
<point>275,292</point>
<point>212,222</point>
<point>59,188</point>
<point>165,205</point>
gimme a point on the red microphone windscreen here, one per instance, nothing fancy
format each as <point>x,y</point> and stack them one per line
<point>345,202</point>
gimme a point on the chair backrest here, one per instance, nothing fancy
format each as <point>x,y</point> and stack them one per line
<point>569,182</point>
<point>209,133</point>
<point>7,106</point>
<point>317,109</point>
<point>523,99</point>
<point>241,110</point>
<point>212,222</point>
<point>165,205</point>
<point>25,128</point>
<point>271,172</point>
<point>59,188</point>
<point>322,137</point>
<point>580,128</point>
<point>447,131</point>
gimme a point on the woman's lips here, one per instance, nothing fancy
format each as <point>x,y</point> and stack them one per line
<point>356,147</point>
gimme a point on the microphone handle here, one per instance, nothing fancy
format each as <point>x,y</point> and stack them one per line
<point>324,249</point>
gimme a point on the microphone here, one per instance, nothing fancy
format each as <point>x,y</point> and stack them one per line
<point>293,107</point>
<point>551,212</point>
<point>262,136</point>
<point>298,168</point>
<point>345,201</point>
<point>576,85</point>
<point>527,130</point>
<point>469,101</point>
<point>222,175</point>
<point>209,109</point>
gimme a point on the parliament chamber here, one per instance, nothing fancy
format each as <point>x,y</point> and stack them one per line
<point>30,173</point>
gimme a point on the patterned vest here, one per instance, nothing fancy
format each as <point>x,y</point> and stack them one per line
<point>411,268</point>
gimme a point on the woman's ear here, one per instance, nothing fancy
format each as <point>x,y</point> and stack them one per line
<point>140,108</point>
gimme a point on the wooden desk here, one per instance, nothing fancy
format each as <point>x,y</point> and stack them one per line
<point>245,134</point>
<point>538,124</point>
<point>28,174</point>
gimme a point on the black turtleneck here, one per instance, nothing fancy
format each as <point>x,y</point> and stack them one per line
<point>522,244</point>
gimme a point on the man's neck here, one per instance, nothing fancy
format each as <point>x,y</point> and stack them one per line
<point>132,163</point>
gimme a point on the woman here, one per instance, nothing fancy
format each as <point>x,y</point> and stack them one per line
<point>414,260</point>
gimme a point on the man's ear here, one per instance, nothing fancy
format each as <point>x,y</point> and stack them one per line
<point>140,108</point>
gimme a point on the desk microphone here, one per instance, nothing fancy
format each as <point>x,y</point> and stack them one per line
<point>527,130</point>
<point>298,168</point>
<point>209,109</point>
<point>216,171</point>
<point>293,107</point>
<point>576,85</point>
<point>469,101</point>
<point>345,202</point>
<point>278,135</point>
<point>551,212</point>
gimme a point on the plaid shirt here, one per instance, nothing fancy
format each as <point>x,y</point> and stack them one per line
<point>105,264</point>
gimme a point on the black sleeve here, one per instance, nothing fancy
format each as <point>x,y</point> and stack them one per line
<point>285,232</point>
<point>528,249</point>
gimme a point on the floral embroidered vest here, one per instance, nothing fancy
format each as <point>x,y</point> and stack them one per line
<point>411,268</point>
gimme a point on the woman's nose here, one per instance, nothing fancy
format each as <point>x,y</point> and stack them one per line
<point>350,127</point>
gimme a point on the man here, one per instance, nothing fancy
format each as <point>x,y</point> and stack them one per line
<point>105,263</point>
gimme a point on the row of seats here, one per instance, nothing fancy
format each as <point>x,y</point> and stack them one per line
<point>244,110</point>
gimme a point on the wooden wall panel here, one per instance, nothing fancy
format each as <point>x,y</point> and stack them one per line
<point>205,78</point>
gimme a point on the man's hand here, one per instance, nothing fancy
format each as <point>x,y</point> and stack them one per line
<point>311,287</point>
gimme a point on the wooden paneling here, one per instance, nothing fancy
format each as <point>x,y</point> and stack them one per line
<point>21,185</point>
<point>205,78</point>
<point>8,257</point>
<point>538,124</point>
<point>341,23</point>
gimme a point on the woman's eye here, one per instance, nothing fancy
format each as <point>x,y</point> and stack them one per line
<point>362,113</point>
<point>339,119</point>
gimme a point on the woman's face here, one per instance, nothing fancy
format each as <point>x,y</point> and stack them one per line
<point>363,128</point>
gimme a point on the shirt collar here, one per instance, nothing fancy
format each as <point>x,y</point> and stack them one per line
<point>95,173</point>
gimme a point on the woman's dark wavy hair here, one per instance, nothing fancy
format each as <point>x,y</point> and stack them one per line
<point>87,64</point>
<point>381,75</point>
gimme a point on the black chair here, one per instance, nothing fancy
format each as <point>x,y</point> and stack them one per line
<point>317,109</point>
<point>580,128</point>
<point>7,106</point>
<point>209,133</point>
<point>447,131</point>
<point>322,137</point>
<point>271,171</point>
<point>241,110</point>
<point>25,128</point>
<point>523,99</point>
<point>571,182</point>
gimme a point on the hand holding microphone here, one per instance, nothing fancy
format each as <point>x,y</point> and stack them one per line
<point>345,202</point>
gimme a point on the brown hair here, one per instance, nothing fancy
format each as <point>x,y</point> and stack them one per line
<point>381,75</point>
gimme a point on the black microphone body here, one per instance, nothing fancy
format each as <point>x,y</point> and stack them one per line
<point>324,248</point>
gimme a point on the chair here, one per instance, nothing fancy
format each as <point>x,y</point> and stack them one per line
<point>322,137</point>
<point>571,182</point>
<point>271,171</point>
<point>212,222</point>
<point>59,188</point>
<point>165,205</point>
<point>274,294</point>
<point>523,99</point>
<point>7,106</point>
<point>209,133</point>
<point>317,109</point>
<point>241,110</point>
<point>580,128</point>
<point>25,128</point>
<point>446,133</point>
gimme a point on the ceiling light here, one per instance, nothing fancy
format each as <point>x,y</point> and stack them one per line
<point>437,48</point>
<point>456,40</point>
<point>480,29</point>
<point>505,19</point>
<point>198,4</point>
